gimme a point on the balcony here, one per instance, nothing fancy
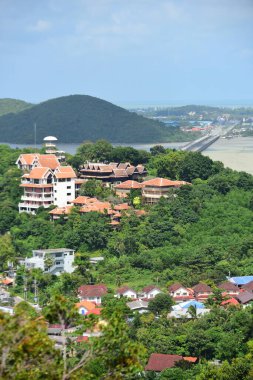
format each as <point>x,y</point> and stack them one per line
<point>31,197</point>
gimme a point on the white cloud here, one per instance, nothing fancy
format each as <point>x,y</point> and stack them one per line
<point>40,26</point>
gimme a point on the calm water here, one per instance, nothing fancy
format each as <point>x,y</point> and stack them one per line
<point>236,153</point>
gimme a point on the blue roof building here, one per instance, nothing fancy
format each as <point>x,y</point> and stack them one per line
<point>240,280</point>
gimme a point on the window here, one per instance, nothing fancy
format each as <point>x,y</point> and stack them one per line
<point>58,263</point>
<point>55,191</point>
<point>55,199</point>
<point>68,179</point>
<point>68,187</point>
<point>68,193</point>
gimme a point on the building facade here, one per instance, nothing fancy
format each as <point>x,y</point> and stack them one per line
<point>53,261</point>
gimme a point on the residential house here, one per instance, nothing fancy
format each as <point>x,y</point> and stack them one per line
<point>85,306</point>
<point>123,189</point>
<point>156,188</point>
<point>92,293</point>
<point>160,362</point>
<point>245,298</point>
<point>202,291</point>
<point>150,291</point>
<point>59,212</point>
<point>248,287</point>
<point>240,280</point>
<point>53,261</point>
<point>29,161</point>
<point>229,289</point>
<point>180,293</point>
<point>139,306</point>
<point>125,291</point>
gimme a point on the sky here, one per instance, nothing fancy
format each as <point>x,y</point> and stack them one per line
<point>129,52</point>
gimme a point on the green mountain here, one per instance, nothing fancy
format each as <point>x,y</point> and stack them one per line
<point>75,118</point>
<point>13,106</point>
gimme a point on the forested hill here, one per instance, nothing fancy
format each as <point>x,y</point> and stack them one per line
<point>76,118</point>
<point>12,106</point>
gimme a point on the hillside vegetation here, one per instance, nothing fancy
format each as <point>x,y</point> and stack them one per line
<point>76,118</point>
<point>13,106</point>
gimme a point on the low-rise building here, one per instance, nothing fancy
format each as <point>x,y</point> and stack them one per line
<point>92,293</point>
<point>150,291</point>
<point>139,306</point>
<point>180,293</point>
<point>202,291</point>
<point>84,307</point>
<point>123,189</point>
<point>125,291</point>
<point>113,172</point>
<point>156,188</point>
<point>160,362</point>
<point>53,261</point>
<point>229,289</point>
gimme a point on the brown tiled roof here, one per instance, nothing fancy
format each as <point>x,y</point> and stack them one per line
<point>163,182</point>
<point>229,286</point>
<point>129,185</point>
<point>248,286</point>
<point>245,297</point>
<point>159,362</point>
<point>124,289</point>
<point>119,173</point>
<point>174,287</point>
<point>98,290</point>
<point>148,288</point>
<point>201,287</point>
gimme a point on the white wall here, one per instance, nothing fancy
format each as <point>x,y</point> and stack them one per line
<point>61,189</point>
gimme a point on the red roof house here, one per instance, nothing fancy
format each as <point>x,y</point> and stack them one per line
<point>179,293</point>
<point>202,291</point>
<point>160,362</point>
<point>92,293</point>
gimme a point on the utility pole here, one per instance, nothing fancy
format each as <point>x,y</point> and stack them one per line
<point>25,288</point>
<point>35,136</point>
<point>36,298</point>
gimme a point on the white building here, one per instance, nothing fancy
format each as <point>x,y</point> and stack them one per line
<point>64,185</point>
<point>54,261</point>
<point>44,187</point>
<point>150,291</point>
<point>125,291</point>
<point>38,190</point>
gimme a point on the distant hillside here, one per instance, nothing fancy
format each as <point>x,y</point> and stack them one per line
<point>75,118</point>
<point>13,106</point>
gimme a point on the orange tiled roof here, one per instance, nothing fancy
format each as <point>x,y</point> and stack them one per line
<point>49,161</point>
<point>7,281</point>
<point>163,182</point>
<point>82,200</point>
<point>129,185</point>
<point>28,158</point>
<point>37,173</point>
<point>86,304</point>
<point>122,206</point>
<point>65,172</point>
<point>61,210</point>
<point>97,207</point>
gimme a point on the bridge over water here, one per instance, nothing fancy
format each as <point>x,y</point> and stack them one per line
<point>200,144</point>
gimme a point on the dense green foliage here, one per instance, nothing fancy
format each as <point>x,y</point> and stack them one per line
<point>76,118</point>
<point>202,232</point>
<point>13,106</point>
